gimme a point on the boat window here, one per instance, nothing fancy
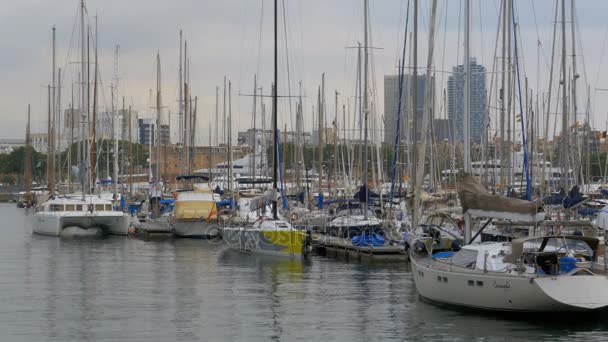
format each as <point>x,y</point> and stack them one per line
<point>69,207</point>
<point>108,207</point>
<point>479,283</point>
<point>439,278</point>
<point>98,207</point>
<point>445,280</point>
<point>56,207</point>
<point>471,283</point>
<point>78,207</point>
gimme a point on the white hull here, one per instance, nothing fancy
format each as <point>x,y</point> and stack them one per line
<point>525,293</point>
<point>55,224</point>
<point>198,229</point>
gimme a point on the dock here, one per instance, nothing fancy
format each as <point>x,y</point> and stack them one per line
<point>343,248</point>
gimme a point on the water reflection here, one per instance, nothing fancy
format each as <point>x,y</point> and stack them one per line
<point>117,288</point>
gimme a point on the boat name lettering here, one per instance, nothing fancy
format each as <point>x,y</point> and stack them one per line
<point>502,286</point>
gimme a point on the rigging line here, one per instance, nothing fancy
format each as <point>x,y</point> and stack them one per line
<point>538,34</point>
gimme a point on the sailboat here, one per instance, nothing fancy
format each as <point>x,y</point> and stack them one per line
<point>85,213</point>
<point>533,274</point>
<point>269,235</point>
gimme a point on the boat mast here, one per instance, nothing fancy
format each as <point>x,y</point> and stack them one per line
<point>83,172</point>
<point>274,116</point>
<point>49,146</point>
<point>565,139</point>
<point>230,169</point>
<point>28,155</point>
<point>550,88</point>
<point>466,114</point>
<point>255,133</point>
<point>414,94</point>
<point>180,107</point>
<point>320,140</point>
<point>365,104</point>
<point>575,76</point>
<point>51,138</point>
<point>158,119</point>
<point>93,129</point>
<point>502,97</point>
<point>467,77</point>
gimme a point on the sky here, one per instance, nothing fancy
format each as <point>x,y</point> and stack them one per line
<point>233,38</point>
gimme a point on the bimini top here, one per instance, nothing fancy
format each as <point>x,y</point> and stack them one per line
<point>479,202</point>
<point>517,245</point>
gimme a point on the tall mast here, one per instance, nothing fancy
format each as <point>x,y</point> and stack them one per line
<point>180,106</point>
<point>320,136</point>
<point>130,154</point>
<point>230,169</point>
<point>574,78</point>
<point>186,113</point>
<point>93,129</point>
<point>49,146</point>
<point>58,134</point>
<point>115,152</point>
<point>217,94</point>
<point>255,133</point>
<point>565,141</point>
<point>224,141</point>
<point>158,118</point>
<point>51,139</point>
<point>414,94</point>
<point>365,102</point>
<point>28,155</point>
<point>83,173</point>
<point>503,94</point>
<point>274,115</point>
<point>467,77</point>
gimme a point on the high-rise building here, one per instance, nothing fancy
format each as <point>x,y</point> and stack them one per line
<point>147,132</point>
<point>477,101</point>
<point>391,104</point>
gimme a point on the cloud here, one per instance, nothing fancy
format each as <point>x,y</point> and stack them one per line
<point>224,39</point>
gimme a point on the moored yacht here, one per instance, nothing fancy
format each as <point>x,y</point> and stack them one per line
<point>195,215</point>
<point>78,215</point>
<point>535,274</point>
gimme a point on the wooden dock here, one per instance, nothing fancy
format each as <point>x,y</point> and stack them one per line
<point>343,248</point>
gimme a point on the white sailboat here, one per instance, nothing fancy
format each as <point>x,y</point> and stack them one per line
<point>79,214</point>
<point>533,274</point>
<point>269,235</point>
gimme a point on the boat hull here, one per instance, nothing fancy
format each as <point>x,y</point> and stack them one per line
<point>195,229</point>
<point>510,293</point>
<point>55,225</point>
<point>287,243</point>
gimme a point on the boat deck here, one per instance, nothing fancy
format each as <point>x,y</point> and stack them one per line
<point>336,246</point>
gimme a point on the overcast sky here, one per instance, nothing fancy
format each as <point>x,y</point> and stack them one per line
<point>224,39</point>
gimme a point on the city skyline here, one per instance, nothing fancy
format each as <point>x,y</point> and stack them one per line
<point>319,32</point>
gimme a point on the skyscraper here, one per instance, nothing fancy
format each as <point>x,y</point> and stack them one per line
<point>391,103</point>
<point>477,101</point>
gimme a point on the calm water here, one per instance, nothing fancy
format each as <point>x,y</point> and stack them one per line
<point>119,288</point>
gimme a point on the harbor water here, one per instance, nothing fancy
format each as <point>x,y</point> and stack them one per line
<point>126,289</point>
